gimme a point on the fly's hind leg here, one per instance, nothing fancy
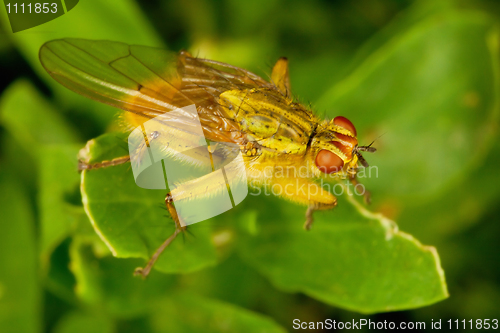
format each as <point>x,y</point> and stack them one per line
<point>179,227</point>
<point>179,224</point>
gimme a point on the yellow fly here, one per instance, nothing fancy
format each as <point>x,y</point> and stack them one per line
<point>234,105</point>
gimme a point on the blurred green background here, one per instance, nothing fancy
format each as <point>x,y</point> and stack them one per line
<point>421,76</point>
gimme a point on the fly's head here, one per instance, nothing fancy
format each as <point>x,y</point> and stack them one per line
<point>335,147</point>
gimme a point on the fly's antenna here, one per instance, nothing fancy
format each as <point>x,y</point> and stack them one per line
<point>369,149</point>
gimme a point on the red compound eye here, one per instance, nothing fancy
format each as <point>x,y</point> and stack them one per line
<point>345,123</point>
<point>328,162</point>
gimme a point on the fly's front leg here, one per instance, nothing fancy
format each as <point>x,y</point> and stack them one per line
<point>308,193</point>
<point>318,199</point>
<point>83,165</point>
<point>366,193</point>
<point>251,149</point>
<point>317,206</point>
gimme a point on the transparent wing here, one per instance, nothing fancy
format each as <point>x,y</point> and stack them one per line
<point>148,81</point>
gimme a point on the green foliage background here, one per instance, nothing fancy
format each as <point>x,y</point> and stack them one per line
<point>421,76</point>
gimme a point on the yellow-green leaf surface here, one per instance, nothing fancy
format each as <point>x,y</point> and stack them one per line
<point>51,142</point>
<point>191,313</point>
<point>108,283</point>
<point>351,258</point>
<point>47,144</point>
<point>32,120</point>
<point>80,322</point>
<point>20,299</point>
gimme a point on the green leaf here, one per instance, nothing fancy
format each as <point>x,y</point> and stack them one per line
<point>130,220</point>
<point>108,283</point>
<point>50,139</point>
<point>191,313</point>
<point>235,282</point>
<point>461,206</point>
<point>469,197</point>
<point>80,322</point>
<point>31,119</point>
<point>430,91</point>
<point>20,298</point>
<point>418,12</point>
<point>351,258</point>
<point>48,147</point>
<point>59,280</point>
<point>59,180</point>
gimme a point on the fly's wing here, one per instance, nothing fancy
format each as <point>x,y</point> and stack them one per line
<point>109,72</point>
<point>148,81</point>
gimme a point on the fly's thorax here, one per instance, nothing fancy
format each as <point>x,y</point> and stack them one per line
<point>333,145</point>
<point>270,118</point>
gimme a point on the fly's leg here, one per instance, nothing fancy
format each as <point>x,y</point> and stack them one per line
<point>144,272</point>
<point>251,149</point>
<point>366,193</point>
<point>179,227</point>
<point>316,206</point>
<point>307,193</point>
<point>82,165</point>
<point>179,224</point>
